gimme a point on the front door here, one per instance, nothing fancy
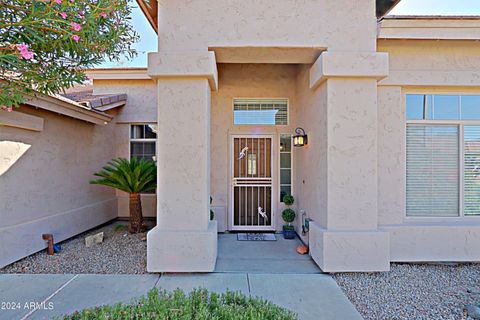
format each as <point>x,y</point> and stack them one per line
<point>252,183</point>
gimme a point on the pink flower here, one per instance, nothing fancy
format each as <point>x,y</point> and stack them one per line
<point>64,15</point>
<point>27,54</point>
<point>58,1</point>
<point>75,38</point>
<point>10,109</point>
<point>4,107</point>
<point>103,14</point>
<point>23,49</point>
<point>76,26</point>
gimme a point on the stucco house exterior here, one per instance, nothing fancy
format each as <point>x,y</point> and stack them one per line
<point>390,106</point>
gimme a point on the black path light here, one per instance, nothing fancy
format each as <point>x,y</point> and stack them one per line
<point>300,139</point>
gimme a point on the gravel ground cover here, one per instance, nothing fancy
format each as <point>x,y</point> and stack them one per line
<point>414,291</point>
<point>120,253</point>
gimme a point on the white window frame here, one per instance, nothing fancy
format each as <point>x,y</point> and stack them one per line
<point>261,125</point>
<point>279,165</point>
<point>461,145</point>
<point>139,140</point>
<point>153,194</point>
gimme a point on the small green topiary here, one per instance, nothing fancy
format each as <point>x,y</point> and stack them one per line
<point>288,215</point>
<point>288,199</point>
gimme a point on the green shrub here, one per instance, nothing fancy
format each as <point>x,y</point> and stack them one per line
<point>288,199</point>
<point>288,215</point>
<point>288,227</point>
<point>199,305</point>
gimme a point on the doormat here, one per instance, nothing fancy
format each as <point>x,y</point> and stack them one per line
<point>256,237</point>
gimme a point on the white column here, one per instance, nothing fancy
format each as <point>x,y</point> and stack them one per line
<point>184,240</point>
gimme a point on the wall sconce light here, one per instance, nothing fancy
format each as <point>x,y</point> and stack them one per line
<point>300,139</point>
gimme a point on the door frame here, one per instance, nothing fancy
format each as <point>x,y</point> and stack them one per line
<point>274,192</point>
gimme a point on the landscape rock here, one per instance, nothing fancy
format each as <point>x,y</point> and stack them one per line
<point>91,240</point>
<point>414,291</point>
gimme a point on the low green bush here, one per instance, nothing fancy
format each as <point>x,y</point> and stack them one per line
<point>199,305</point>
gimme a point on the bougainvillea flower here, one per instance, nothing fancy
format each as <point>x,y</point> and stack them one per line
<point>76,26</point>
<point>4,107</point>
<point>10,109</point>
<point>103,14</point>
<point>64,15</point>
<point>58,1</point>
<point>75,38</point>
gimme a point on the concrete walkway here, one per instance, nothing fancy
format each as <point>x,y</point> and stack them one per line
<point>262,256</point>
<point>312,296</point>
<point>269,269</point>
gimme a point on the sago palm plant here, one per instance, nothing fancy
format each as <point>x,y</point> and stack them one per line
<point>134,177</point>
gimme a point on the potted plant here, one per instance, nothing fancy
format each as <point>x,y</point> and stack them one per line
<point>288,215</point>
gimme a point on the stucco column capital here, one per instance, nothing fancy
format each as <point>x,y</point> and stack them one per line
<point>348,65</point>
<point>191,64</point>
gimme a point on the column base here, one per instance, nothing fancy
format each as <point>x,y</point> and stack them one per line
<point>182,251</point>
<point>350,250</point>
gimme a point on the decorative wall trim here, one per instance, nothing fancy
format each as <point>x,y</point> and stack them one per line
<point>184,65</point>
<point>21,120</point>
<point>349,65</point>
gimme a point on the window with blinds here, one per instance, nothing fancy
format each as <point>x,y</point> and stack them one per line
<point>432,170</point>
<point>471,170</point>
<point>443,155</point>
<point>260,111</point>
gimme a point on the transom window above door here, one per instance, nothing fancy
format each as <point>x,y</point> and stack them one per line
<point>268,112</point>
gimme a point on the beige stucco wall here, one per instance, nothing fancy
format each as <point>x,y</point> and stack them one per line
<point>441,67</point>
<point>140,108</point>
<point>46,189</point>
<point>341,25</point>
<point>310,167</point>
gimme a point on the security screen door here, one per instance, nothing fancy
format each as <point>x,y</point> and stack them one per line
<point>252,183</point>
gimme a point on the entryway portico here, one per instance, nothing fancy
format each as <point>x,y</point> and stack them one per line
<point>202,154</point>
<point>322,57</point>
